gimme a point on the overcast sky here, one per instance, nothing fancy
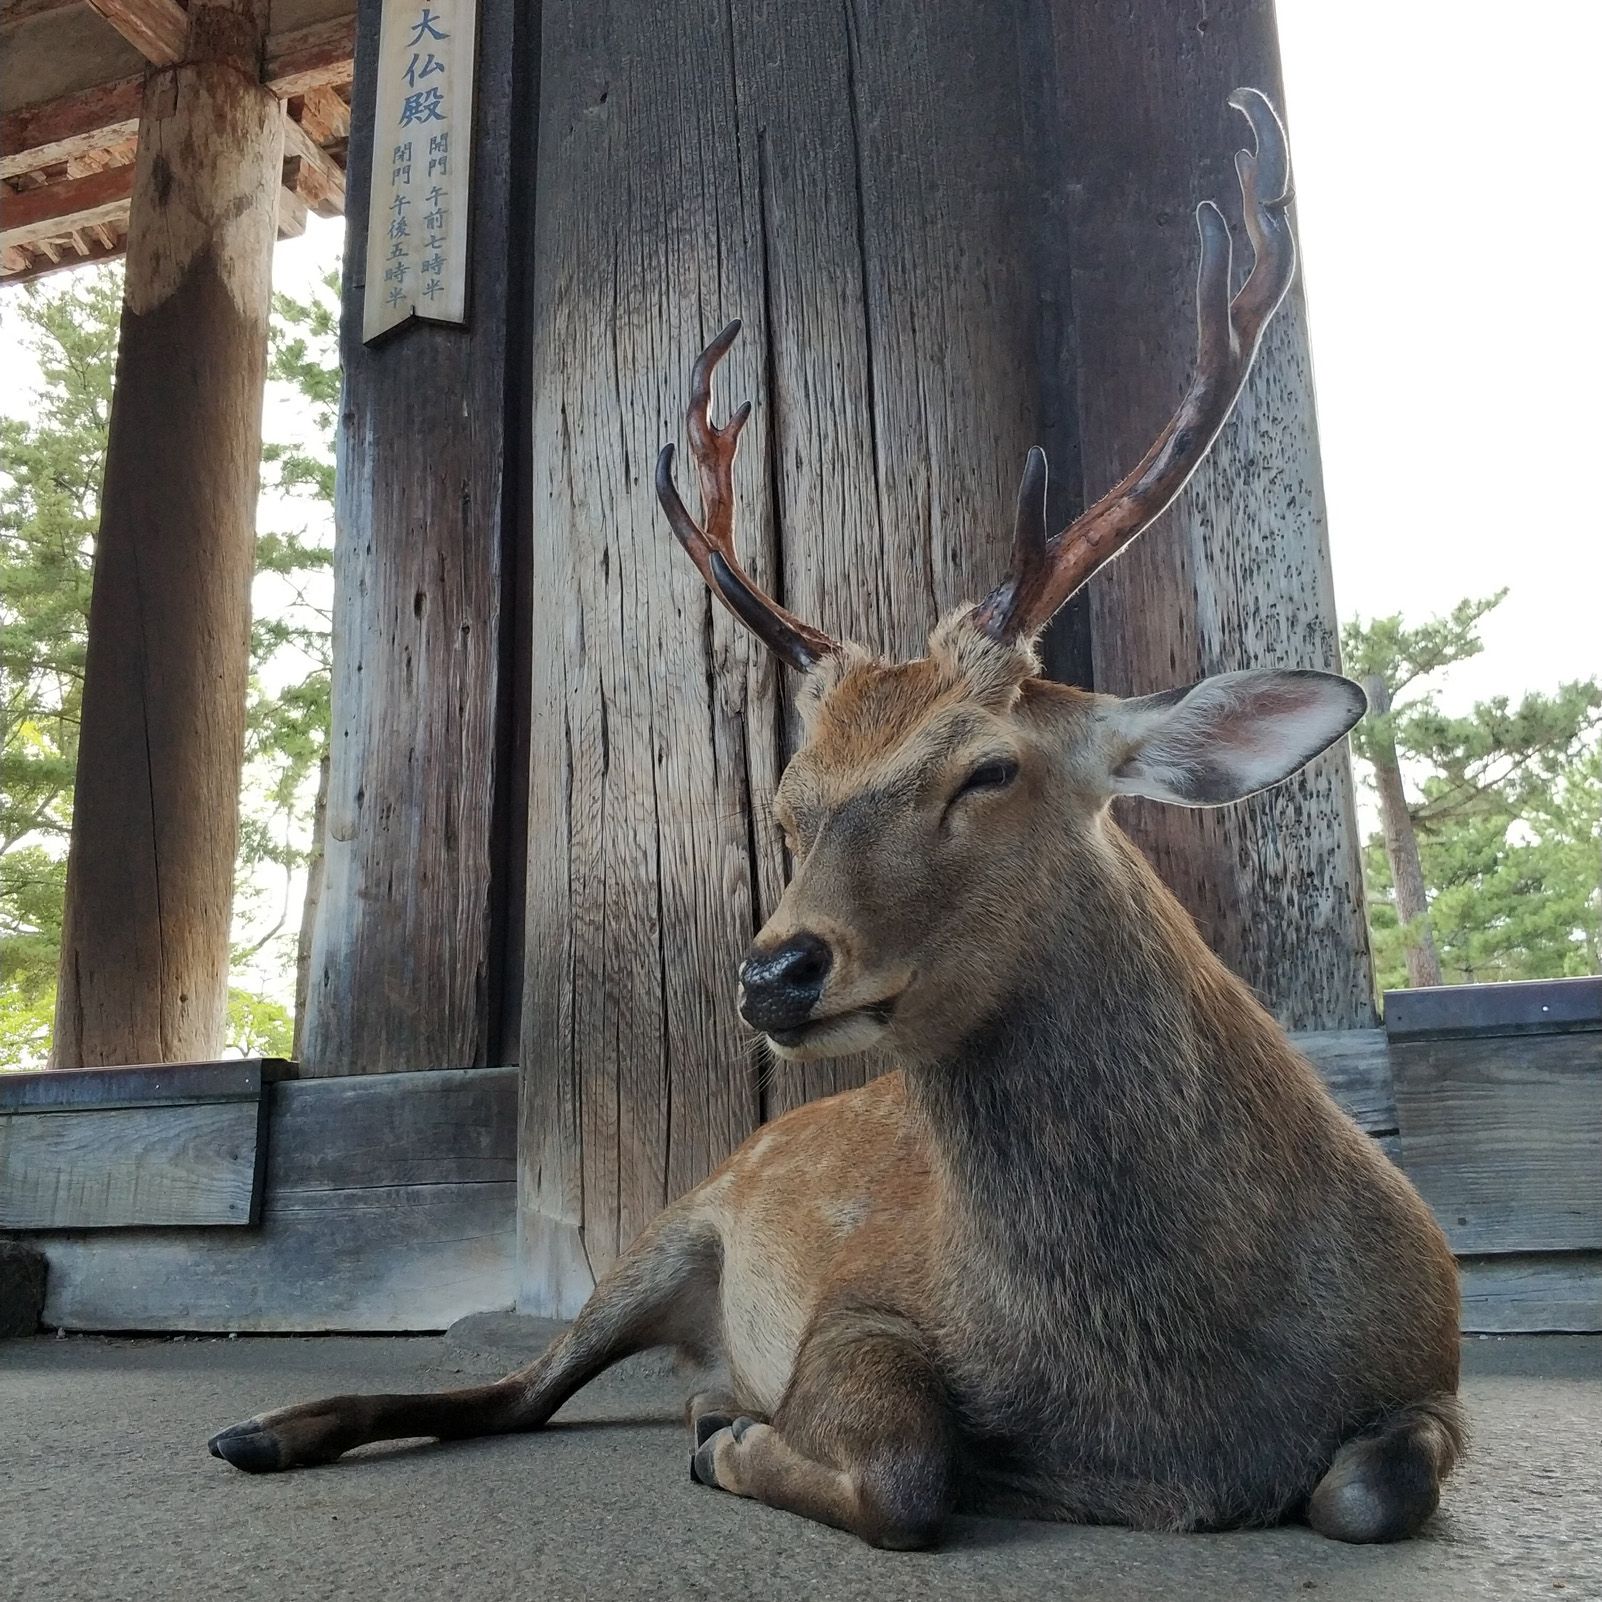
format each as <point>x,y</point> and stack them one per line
<point>1445,164</point>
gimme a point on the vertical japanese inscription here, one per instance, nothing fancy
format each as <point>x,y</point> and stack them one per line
<point>422,138</point>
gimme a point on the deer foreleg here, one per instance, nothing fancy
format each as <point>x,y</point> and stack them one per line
<point>862,1441</point>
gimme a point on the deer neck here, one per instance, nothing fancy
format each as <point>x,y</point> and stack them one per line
<point>1078,1106</point>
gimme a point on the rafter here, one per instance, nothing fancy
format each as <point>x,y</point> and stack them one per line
<point>298,62</point>
<point>157,29</point>
<point>52,211</point>
<point>321,180</point>
<point>61,130</point>
<point>311,57</point>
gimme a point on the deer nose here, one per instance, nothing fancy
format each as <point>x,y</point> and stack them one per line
<point>782,985</point>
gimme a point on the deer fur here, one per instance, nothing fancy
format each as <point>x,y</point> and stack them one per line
<point>1103,1248</point>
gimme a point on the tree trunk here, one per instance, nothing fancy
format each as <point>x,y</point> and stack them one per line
<point>1401,844</point>
<point>144,965</point>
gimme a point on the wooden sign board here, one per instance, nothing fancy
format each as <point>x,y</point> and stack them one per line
<point>417,218</point>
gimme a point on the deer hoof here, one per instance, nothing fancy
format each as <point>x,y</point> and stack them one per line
<point>248,1446</point>
<point>708,1424</point>
<point>711,1429</point>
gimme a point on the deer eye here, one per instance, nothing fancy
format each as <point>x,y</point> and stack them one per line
<point>996,775</point>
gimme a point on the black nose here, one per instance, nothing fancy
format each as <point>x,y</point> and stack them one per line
<point>782,985</point>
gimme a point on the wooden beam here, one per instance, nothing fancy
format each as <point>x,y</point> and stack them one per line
<point>324,115</point>
<point>298,62</point>
<point>157,29</point>
<point>53,210</point>
<point>291,209</point>
<point>16,267</point>
<point>322,178</point>
<point>15,11</point>
<point>60,130</point>
<point>388,1205</point>
<point>311,57</point>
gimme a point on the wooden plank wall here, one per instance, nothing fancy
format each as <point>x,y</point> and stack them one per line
<point>1499,1103</point>
<point>884,194</point>
<point>1238,573</point>
<point>105,1148</point>
<point>389,1206</point>
<point>419,920</point>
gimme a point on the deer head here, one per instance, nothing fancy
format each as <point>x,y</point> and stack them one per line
<point>941,810</point>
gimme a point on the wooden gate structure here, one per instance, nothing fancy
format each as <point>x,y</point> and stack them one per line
<point>952,234</point>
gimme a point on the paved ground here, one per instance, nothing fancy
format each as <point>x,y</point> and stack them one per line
<point>107,1493</point>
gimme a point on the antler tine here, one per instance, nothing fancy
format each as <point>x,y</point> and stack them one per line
<point>1228,333</point>
<point>712,548</point>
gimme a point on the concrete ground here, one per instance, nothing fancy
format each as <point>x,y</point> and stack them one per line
<point>107,1493</point>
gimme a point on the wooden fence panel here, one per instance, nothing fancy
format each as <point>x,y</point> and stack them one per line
<point>1502,1136</point>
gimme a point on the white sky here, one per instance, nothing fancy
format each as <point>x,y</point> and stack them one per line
<point>1445,161</point>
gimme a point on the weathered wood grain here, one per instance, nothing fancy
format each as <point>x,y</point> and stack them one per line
<point>370,1259</point>
<point>441,1128</point>
<point>1237,573</point>
<point>150,873</point>
<point>900,253</point>
<point>406,963</point>
<point>173,1084</point>
<point>1355,1064</point>
<point>1532,1294</point>
<point>115,1167</point>
<point>800,167</point>
<point>388,1205</point>
<point>1502,1138</point>
<point>1531,1006</point>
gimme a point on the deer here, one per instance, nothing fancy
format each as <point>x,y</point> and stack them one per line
<point>1100,1247</point>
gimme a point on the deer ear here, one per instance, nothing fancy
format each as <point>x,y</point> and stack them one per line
<point>1228,736</point>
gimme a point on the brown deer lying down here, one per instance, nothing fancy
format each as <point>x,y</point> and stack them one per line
<point>1103,1249</point>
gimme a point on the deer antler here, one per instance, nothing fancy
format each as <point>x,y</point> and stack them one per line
<point>1047,571</point>
<point>712,548</point>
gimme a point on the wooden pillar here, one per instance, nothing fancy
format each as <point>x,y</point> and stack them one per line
<point>926,221</point>
<point>1238,573</point>
<point>150,876</point>
<point>891,245</point>
<point>420,911</point>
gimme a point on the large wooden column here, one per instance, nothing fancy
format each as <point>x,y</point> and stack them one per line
<point>150,877</point>
<point>941,231</point>
<point>1238,573</point>
<point>420,911</point>
<point>865,186</point>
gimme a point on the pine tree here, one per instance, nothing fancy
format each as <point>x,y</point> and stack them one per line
<point>1486,865</point>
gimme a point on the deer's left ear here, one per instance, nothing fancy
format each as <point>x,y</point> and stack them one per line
<point>1228,736</point>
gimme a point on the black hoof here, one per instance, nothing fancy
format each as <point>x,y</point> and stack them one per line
<point>248,1447</point>
<point>702,1469</point>
<point>708,1424</point>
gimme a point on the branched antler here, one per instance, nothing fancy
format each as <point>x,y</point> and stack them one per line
<point>1046,571</point>
<point>711,547</point>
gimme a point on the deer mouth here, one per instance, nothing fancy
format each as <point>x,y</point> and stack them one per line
<point>816,1030</point>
